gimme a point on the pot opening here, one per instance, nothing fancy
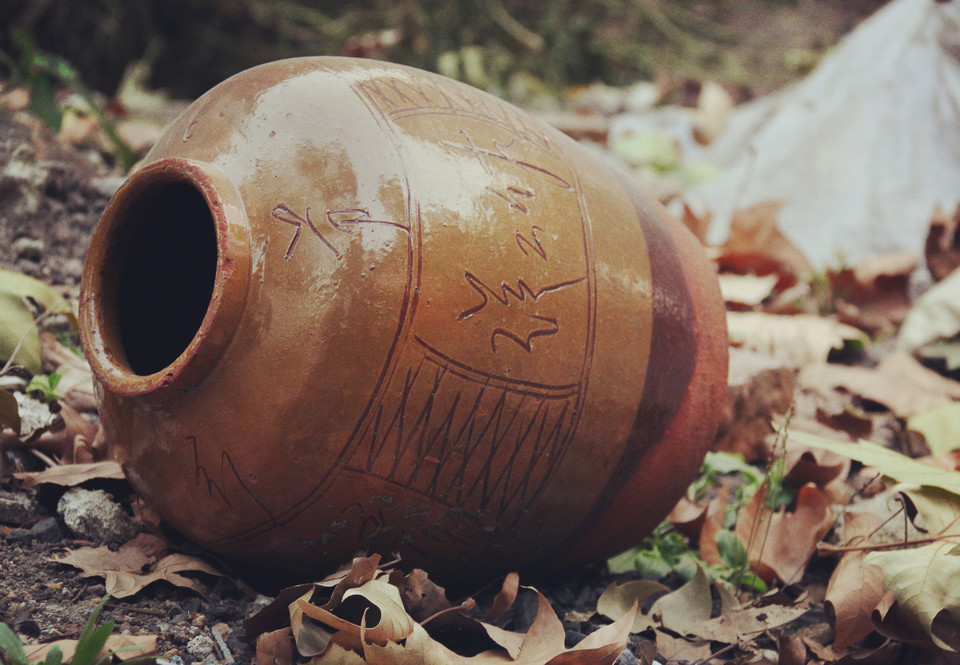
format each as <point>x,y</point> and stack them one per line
<point>166,262</point>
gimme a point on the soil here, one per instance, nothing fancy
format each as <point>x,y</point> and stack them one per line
<point>50,198</point>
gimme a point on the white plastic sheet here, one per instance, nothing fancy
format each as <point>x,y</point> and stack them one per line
<point>862,150</point>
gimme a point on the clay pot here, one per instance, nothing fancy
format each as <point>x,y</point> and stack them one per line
<point>344,305</point>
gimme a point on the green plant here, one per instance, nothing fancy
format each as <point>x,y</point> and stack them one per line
<point>41,73</point>
<point>89,646</point>
<point>46,385</point>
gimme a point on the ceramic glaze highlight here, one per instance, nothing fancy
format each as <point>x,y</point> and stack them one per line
<point>346,305</point>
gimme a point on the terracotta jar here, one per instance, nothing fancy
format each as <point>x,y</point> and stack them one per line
<point>345,305</point>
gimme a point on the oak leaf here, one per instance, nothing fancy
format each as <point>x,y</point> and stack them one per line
<point>138,563</point>
<point>923,581</point>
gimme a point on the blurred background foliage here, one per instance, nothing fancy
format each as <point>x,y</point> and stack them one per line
<point>519,49</point>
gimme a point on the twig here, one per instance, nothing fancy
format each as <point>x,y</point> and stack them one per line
<point>222,645</point>
<point>827,548</point>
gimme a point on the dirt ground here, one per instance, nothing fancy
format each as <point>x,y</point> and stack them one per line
<point>45,224</point>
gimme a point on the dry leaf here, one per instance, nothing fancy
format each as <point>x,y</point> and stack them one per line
<point>874,294</point>
<point>756,245</point>
<point>898,382</point>
<point>799,339</point>
<point>375,601</point>
<point>760,387</point>
<point>779,544</point>
<point>421,597</point>
<point>940,427</point>
<point>135,565</point>
<point>681,650</point>
<point>923,580</point>
<point>274,648</point>
<point>942,247</point>
<point>747,290</point>
<point>854,590</point>
<point>129,646</point>
<point>680,611</point>
<point>746,623</point>
<point>890,463</point>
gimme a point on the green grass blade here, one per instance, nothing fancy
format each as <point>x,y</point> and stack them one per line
<point>10,647</point>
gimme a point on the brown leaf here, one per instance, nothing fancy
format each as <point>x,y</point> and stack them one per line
<point>756,245</point>
<point>854,590</point>
<point>760,387</point>
<point>129,646</point>
<point>779,544</point>
<point>898,382</point>
<point>274,648</point>
<point>680,650</point>
<point>421,597</point>
<point>874,295</point>
<point>505,597</point>
<point>942,247</point>
<point>716,512</point>
<point>71,475</point>
<point>679,611</point>
<point>798,340</point>
<point>745,624</point>
<point>377,601</point>
<point>135,565</point>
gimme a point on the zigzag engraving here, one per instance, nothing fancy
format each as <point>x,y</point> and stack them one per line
<point>488,449</point>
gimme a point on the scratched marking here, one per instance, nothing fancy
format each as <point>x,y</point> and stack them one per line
<point>218,486</point>
<point>535,246</point>
<point>474,445</point>
<point>339,220</point>
<point>501,152</point>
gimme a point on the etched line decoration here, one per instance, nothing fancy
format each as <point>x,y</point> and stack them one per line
<point>227,475</point>
<point>455,441</point>
<point>339,220</point>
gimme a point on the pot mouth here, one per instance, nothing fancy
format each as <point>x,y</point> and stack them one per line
<point>165,278</point>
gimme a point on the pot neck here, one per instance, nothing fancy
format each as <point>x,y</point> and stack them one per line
<point>166,278</point>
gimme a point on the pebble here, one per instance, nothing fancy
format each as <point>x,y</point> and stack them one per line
<point>200,647</point>
<point>93,515</point>
<point>17,508</point>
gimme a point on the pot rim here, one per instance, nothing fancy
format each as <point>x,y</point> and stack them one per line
<point>100,335</point>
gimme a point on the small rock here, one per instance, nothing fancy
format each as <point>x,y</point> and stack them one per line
<point>200,647</point>
<point>27,248</point>
<point>17,507</point>
<point>93,515</point>
<point>46,531</point>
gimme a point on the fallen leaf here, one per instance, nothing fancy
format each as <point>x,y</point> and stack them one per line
<point>854,590</point>
<point>898,382</point>
<point>799,339</point>
<point>679,611</point>
<point>923,580</point>
<point>135,565</point>
<point>421,597</point>
<point>123,647</point>
<point>760,387</point>
<point>888,462</point>
<point>378,599</point>
<point>779,544</point>
<point>505,597</point>
<point>17,327</point>
<point>274,648</point>
<point>756,245</point>
<point>874,294</point>
<point>940,427</point>
<point>682,650</point>
<point>934,316</point>
<point>747,290</point>
<point>9,411</point>
<point>746,623</point>
<point>71,475</point>
<point>942,246</point>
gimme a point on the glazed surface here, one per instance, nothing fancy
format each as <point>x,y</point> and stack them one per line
<point>459,338</point>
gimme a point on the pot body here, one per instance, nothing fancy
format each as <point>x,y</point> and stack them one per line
<point>344,305</point>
